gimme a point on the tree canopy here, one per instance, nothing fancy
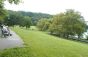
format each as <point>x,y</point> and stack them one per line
<point>3,12</point>
<point>19,15</point>
<point>43,24</point>
<point>67,24</point>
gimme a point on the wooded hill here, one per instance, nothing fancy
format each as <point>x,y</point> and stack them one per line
<point>34,16</point>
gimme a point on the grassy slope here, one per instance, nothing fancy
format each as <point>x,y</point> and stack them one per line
<point>39,44</point>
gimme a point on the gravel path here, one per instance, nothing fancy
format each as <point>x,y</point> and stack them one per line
<point>11,41</point>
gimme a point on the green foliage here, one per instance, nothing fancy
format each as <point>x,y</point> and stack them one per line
<point>16,18</point>
<point>27,21</point>
<point>68,24</point>
<point>24,19</point>
<point>3,13</point>
<point>14,1</point>
<point>13,19</point>
<point>35,17</point>
<point>43,24</point>
<point>56,25</point>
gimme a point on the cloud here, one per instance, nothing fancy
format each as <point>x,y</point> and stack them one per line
<point>51,6</point>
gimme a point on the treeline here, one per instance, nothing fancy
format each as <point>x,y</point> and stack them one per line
<point>22,18</point>
<point>69,24</point>
<point>34,16</point>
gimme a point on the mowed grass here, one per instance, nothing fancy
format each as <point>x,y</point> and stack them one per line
<point>40,44</point>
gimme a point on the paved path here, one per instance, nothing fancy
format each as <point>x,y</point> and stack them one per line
<point>11,41</point>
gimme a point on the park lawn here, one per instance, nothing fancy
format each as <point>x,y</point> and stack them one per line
<point>40,44</point>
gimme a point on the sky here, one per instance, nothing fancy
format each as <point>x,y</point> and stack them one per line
<point>51,6</point>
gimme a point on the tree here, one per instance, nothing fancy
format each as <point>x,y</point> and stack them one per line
<point>16,18</point>
<point>2,10</point>
<point>75,24</point>
<point>67,24</point>
<point>35,17</point>
<point>27,21</point>
<point>13,1</point>
<point>43,24</point>
<point>13,19</point>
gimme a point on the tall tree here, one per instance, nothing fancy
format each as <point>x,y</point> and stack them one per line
<point>2,10</point>
<point>43,24</point>
<point>69,23</point>
<point>27,21</point>
<point>13,19</point>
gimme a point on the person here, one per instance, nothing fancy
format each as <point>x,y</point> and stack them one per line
<point>8,30</point>
<point>5,31</point>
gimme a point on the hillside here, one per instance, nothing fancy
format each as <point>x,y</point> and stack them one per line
<point>40,44</point>
<point>35,16</point>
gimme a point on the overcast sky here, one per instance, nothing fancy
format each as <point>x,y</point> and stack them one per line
<point>51,6</point>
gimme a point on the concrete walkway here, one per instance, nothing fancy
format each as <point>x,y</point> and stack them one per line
<point>11,41</point>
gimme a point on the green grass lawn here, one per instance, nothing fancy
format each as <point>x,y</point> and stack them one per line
<point>40,44</point>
